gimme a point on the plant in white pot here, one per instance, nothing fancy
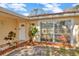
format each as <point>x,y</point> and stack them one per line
<point>32,32</point>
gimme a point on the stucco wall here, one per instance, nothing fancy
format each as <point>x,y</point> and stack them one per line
<point>6,25</point>
<point>11,23</point>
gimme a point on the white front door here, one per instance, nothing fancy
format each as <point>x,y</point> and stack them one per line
<point>22,35</point>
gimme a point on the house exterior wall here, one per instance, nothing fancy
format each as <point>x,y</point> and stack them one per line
<point>11,23</point>
<point>74,18</point>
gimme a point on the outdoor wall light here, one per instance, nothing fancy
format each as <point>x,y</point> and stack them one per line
<point>22,25</point>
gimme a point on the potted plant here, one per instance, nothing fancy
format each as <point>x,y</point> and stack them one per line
<point>32,32</point>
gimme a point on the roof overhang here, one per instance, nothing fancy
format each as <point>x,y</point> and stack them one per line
<point>11,13</point>
<point>44,16</point>
<point>53,15</point>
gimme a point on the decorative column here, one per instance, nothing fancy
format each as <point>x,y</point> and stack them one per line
<point>76,34</point>
<point>40,31</point>
<point>53,31</point>
<point>72,38</point>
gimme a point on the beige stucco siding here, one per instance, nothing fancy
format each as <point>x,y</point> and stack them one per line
<point>6,25</point>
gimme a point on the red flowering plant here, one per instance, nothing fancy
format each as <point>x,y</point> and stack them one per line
<point>62,37</point>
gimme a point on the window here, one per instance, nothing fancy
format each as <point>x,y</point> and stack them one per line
<point>55,31</point>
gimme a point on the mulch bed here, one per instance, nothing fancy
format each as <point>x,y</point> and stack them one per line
<point>12,48</point>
